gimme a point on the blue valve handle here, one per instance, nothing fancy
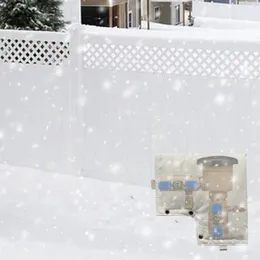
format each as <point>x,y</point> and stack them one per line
<point>187,185</point>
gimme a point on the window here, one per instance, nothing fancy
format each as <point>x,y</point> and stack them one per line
<point>177,14</point>
<point>130,19</point>
<point>157,13</point>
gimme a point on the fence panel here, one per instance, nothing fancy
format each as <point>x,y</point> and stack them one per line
<point>34,100</point>
<point>146,93</point>
<point>123,95</point>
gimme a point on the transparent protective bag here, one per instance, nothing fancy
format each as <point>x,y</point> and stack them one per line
<point>211,188</point>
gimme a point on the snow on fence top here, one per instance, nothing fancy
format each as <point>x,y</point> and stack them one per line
<point>42,48</point>
<point>186,51</point>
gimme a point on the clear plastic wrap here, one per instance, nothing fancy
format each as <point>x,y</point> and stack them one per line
<point>211,188</point>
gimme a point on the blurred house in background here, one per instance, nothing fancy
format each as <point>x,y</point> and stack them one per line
<point>111,13</point>
<point>170,12</point>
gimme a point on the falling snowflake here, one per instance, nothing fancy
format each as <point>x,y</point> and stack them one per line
<point>8,112</point>
<point>107,85</point>
<point>82,101</point>
<point>115,168</point>
<point>146,231</point>
<point>59,71</point>
<point>177,85</point>
<point>167,244</point>
<point>90,130</point>
<point>129,92</point>
<point>254,102</point>
<point>220,99</point>
<point>19,128</point>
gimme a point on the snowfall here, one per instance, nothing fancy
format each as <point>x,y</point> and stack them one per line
<point>46,215</point>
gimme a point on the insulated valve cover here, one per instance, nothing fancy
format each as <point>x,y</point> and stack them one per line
<point>210,188</point>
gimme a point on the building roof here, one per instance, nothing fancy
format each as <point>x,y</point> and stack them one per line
<point>102,2</point>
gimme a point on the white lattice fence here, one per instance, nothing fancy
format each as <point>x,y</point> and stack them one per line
<point>194,62</point>
<point>172,55</point>
<point>34,48</point>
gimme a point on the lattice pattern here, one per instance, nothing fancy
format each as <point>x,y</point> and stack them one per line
<point>33,51</point>
<point>179,61</point>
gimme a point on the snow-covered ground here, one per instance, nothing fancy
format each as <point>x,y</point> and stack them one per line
<point>157,26</point>
<point>209,23</point>
<point>48,216</point>
<point>160,26</point>
<point>225,24</point>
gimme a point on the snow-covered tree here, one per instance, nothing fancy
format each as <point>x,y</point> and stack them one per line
<point>31,15</point>
<point>53,10</point>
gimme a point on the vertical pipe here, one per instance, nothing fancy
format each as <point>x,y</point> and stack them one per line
<point>117,16</point>
<point>110,16</point>
<point>183,13</point>
<point>218,215</point>
<point>126,16</point>
<point>188,200</point>
<point>148,15</point>
<point>140,15</point>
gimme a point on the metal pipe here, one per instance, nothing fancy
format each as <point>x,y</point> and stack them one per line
<point>110,16</point>
<point>127,15</point>
<point>140,15</point>
<point>148,15</point>
<point>183,13</point>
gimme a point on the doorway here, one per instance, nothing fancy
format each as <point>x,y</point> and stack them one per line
<point>95,15</point>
